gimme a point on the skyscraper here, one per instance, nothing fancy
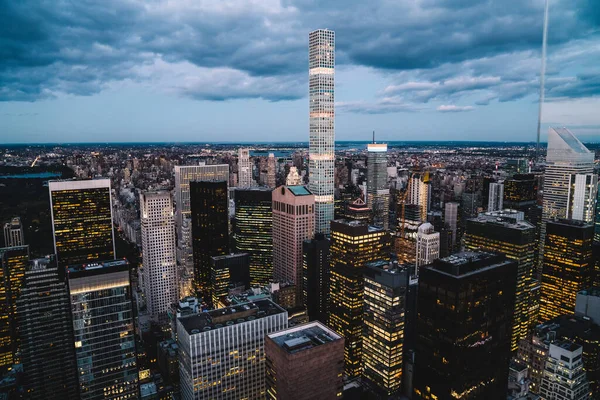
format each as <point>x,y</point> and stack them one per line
<point>315,284</point>
<point>13,263</point>
<point>210,226</point>
<point>46,333</point>
<point>428,245</point>
<point>321,88</point>
<point>221,352</point>
<point>304,362</point>
<point>102,312</point>
<point>386,287</point>
<point>451,219</point>
<point>353,245</point>
<point>583,191</point>
<point>244,169</point>
<point>271,173</point>
<point>566,156</point>
<point>82,221</point>
<point>13,233</point>
<point>293,223</point>
<point>158,252</point>
<point>226,271</point>
<point>564,374</point>
<point>253,231</point>
<point>506,232</point>
<point>293,178</point>
<point>567,266</point>
<point>378,193</point>
<point>496,197</point>
<point>465,312</point>
<point>420,194</point>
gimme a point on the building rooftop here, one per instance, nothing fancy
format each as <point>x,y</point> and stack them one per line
<point>98,265</point>
<point>223,317</point>
<point>467,263</point>
<point>299,190</point>
<point>304,337</point>
<point>508,218</point>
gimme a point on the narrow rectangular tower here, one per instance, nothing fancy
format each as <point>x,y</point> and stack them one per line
<point>321,64</point>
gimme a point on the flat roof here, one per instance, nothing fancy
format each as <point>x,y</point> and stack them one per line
<point>467,263</point>
<point>223,317</point>
<point>299,190</point>
<point>304,337</point>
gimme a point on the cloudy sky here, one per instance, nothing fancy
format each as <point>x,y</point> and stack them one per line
<point>228,70</point>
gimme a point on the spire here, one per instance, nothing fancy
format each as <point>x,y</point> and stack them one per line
<point>373,137</point>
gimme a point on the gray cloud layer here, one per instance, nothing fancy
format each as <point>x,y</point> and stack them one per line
<point>218,50</point>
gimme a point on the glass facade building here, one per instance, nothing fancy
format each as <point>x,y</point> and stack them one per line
<point>231,270</point>
<point>82,221</point>
<point>103,330</point>
<point>378,193</point>
<point>315,277</point>
<point>353,245</point>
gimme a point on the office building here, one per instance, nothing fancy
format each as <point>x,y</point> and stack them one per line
<point>516,166</point>
<point>244,169</point>
<point>465,313</point>
<point>357,210</point>
<point>231,270</point>
<point>103,329</point>
<point>271,172</point>
<point>222,352</point>
<point>451,219</point>
<point>564,375</point>
<point>159,263</point>
<point>293,178</point>
<point>520,192</point>
<point>210,227</point>
<point>420,194</point>
<point>583,191</point>
<point>386,287</point>
<point>567,266</point>
<point>13,263</point>
<point>378,192</point>
<point>315,277</point>
<point>597,220</point>
<point>353,245</point>
<point>293,223</point>
<point>496,197</point>
<point>566,156</point>
<point>44,316</point>
<point>13,233</point>
<point>304,362</point>
<point>508,233</point>
<point>587,303</point>
<point>428,245</point>
<point>321,101</point>
<point>253,231</point>
<point>82,221</point>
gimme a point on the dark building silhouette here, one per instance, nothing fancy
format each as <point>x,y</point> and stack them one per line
<point>231,270</point>
<point>315,265</point>
<point>465,314</point>
<point>46,333</point>
<point>210,227</point>
<point>253,231</point>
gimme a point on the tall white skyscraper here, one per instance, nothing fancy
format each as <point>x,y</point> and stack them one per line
<point>244,168</point>
<point>271,173</point>
<point>321,64</point>
<point>158,252</point>
<point>420,194</point>
<point>428,245</point>
<point>566,157</point>
<point>378,193</point>
<point>293,178</point>
<point>496,197</point>
<point>582,197</point>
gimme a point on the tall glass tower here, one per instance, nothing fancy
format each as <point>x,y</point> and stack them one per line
<point>321,64</point>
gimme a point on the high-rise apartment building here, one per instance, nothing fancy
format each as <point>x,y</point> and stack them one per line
<point>315,277</point>
<point>378,193</point>
<point>293,223</point>
<point>353,245</point>
<point>293,178</point>
<point>103,330</point>
<point>13,233</point>
<point>583,191</point>
<point>420,194</point>
<point>210,226</point>
<point>13,263</point>
<point>428,245</point>
<point>496,197</point>
<point>271,172</point>
<point>253,231</point>
<point>508,233</point>
<point>46,332</point>
<point>159,262</point>
<point>304,362</point>
<point>386,287</point>
<point>222,352</point>
<point>465,312</point>
<point>321,98</point>
<point>564,374</point>
<point>231,270</point>
<point>566,156</point>
<point>82,221</point>
<point>567,266</point>
<point>244,169</point>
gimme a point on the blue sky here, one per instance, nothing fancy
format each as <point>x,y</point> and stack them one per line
<point>228,70</point>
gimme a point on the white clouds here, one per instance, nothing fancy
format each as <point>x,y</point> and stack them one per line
<point>454,108</point>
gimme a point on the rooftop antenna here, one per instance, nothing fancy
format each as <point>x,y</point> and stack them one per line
<point>373,137</point>
<point>542,79</point>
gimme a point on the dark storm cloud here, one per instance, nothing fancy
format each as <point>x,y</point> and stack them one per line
<point>258,48</point>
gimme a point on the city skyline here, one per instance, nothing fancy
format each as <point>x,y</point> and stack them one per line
<point>203,71</point>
